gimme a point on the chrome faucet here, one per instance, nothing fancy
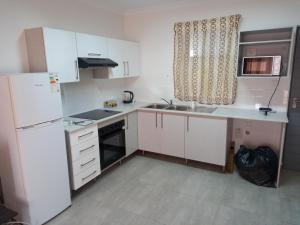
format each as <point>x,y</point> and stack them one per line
<point>169,102</point>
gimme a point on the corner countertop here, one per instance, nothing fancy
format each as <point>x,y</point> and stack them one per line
<point>221,112</point>
<point>123,108</point>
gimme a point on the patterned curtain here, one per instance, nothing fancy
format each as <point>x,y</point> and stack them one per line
<point>205,60</point>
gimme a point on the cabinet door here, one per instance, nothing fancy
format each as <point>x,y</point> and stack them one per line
<point>91,46</point>
<point>131,133</point>
<point>149,131</point>
<point>206,140</point>
<point>117,52</point>
<point>172,135</point>
<point>132,59</point>
<point>127,55</point>
<point>61,54</point>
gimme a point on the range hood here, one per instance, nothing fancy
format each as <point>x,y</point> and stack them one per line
<point>94,63</point>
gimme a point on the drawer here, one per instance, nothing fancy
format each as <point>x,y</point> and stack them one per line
<point>84,148</point>
<point>85,162</point>
<point>81,136</point>
<point>85,176</point>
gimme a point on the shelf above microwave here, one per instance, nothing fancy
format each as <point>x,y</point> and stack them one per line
<point>259,43</point>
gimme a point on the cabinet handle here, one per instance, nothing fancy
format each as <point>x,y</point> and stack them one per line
<point>94,54</point>
<point>84,164</point>
<point>127,126</point>
<point>127,68</point>
<point>84,135</point>
<point>124,65</point>
<point>84,178</point>
<point>83,150</point>
<point>156,119</point>
<point>188,124</point>
<point>295,101</point>
<point>162,120</point>
<point>76,69</point>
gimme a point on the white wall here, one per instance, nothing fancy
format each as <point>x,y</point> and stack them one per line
<point>154,29</point>
<point>16,15</point>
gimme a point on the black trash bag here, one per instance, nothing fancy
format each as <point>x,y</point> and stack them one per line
<point>258,166</point>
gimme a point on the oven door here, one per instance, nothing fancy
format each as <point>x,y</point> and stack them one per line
<point>112,146</point>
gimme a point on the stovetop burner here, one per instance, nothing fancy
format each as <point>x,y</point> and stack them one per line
<point>96,114</point>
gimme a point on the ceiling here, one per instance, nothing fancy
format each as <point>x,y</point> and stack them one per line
<point>133,6</point>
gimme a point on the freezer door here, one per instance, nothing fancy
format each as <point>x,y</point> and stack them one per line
<point>45,171</point>
<point>34,99</point>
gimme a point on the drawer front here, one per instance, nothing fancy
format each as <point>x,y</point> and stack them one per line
<point>85,162</point>
<point>84,148</point>
<point>86,176</point>
<point>83,135</point>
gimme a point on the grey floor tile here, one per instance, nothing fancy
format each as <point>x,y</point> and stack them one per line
<point>145,191</point>
<point>232,216</point>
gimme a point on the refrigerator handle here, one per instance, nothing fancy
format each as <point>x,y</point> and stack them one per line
<point>56,120</point>
<point>40,124</point>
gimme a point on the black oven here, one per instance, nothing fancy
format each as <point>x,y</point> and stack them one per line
<point>111,143</point>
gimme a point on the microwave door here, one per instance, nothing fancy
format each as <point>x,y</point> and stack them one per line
<point>261,66</point>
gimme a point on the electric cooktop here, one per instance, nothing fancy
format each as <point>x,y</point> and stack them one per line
<point>96,114</point>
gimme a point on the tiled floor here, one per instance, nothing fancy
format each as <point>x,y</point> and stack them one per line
<point>145,191</point>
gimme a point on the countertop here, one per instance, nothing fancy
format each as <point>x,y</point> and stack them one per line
<point>234,113</point>
<point>123,108</point>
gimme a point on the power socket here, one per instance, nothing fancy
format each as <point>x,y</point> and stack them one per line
<point>238,133</point>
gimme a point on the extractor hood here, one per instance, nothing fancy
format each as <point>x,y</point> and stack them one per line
<point>94,63</point>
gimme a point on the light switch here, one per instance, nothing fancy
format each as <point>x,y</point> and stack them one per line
<point>285,97</point>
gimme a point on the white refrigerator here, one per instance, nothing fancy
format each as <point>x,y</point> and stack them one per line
<point>33,159</point>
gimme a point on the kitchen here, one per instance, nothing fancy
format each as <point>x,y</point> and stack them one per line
<point>166,131</point>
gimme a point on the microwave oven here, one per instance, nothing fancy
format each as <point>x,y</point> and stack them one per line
<point>261,66</point>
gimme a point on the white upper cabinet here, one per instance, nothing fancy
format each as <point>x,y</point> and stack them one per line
<point>57,51</point>
<point>127,55</point>
<point>53,51</point>
<point>91,46</point>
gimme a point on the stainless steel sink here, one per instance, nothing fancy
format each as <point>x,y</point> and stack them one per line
<point>178,108</point>
<point>157,106</point>
<point>203,109</point>
<point>200,109</point>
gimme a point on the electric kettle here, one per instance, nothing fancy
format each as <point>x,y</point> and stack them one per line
<point>128,97</point>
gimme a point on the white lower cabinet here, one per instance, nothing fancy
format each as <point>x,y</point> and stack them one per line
<point>161,133</point>
<point>172,135</point>
<point>131,133</point>
<point>86,176</point>
<point>149,131</point>
<point>206,139</point>
<point>83,156</point>
<point>196,138</point>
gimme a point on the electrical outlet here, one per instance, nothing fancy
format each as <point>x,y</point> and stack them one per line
<point>238,133</point>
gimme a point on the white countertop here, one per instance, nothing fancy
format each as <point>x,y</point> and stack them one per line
<point>123,108</point>
<point>234,113</point>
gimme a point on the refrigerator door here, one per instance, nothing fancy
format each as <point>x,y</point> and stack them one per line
<point>34,99</point>
<point>45,171</point>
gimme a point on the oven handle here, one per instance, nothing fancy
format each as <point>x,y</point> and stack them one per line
<point>111,134</point>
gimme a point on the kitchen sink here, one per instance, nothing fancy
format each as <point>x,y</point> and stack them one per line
<point>200,109</point>
<point>203,109</point>
<point>178,108</point>
<point>157,106</point>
